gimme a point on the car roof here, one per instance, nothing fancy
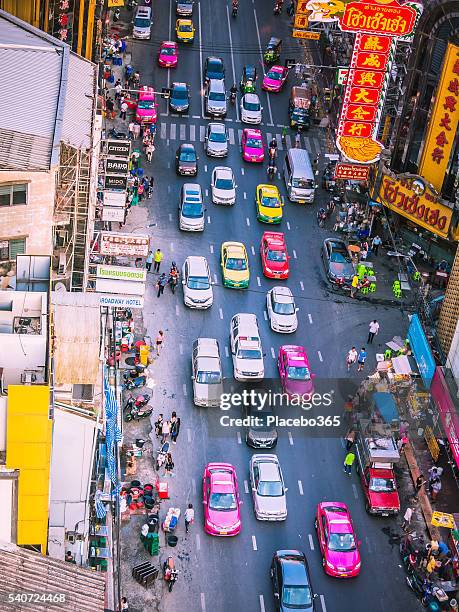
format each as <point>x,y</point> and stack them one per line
<point>269,471</point>
<point>143,11</point>
<point>252,97</point>
<point>268,189</point>
<point>338,517</point>
<point>185,21</point>
<point>274,239</point>
<point>282,295</point>
<point>192,187</point>
<point>222,481</point>
<point>216,84</point>
<point>294,571</point>
<point>214,58</point>
<point>246,318</point>
<point>295,353</point>
<point>187,145</point>
<point>336,242</point>
<point>179,85</point>
<point>235,247</point>
<point>251,133</point>
<point>277,68</point>
<point>217,127</point>
<point>169,43</point>
<point>224,171</point>
<point>197,264</point>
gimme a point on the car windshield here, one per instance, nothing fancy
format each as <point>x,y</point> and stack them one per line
<point>274,75</point>
<point>139,22</point>
<point>223,501</point>
<point>298,373</point>
<point>300,111</point>
<point>187,156</point>
<point>285,309</point>
<point>192,210</point>
<point>382,485</point>
<point>300,183</point>
<point>168,51</point>
<point>179,94</point>
<point>254,143</point>
<point>268,488</point>
<point>270,202</point>
<point>339,256</point>
<point>341,542</point>
<point>296,596</point>
<point>208,378</point>
<point>146,104</point>
<point>251,106</point>
<point>236,263</point>
<point>217,137</point>
<point>219,96</point>
<point>276,255</point>
<point>198,282</point>
<point>244,353</point>
<point>221,183</point>
<point>215,67</point>
<point>186,28</point>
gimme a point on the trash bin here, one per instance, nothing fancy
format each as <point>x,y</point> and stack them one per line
<point>172,540</point>
<point>144,352</point>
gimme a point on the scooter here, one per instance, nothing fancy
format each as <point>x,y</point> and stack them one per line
<point>235,9</point>
<point>271,170</point>
<point>138,413</point>
<point>134,383</point>
<point>162,454</point>
<point>138,370</point>
<point>137,402</point>
<point>170,574</point>
<point>332,205</point>
<point>116,15</point>
<point>117,135</point>
<point>172,281</point>
<point>233,97</point>
<point>321,216</point>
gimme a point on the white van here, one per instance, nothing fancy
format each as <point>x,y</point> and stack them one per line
<point>142,23</point>
<point>299,176</point>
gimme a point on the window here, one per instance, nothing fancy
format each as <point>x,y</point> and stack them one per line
<point>13,195</point>
<point>83,393</point>
<point>10,248</point>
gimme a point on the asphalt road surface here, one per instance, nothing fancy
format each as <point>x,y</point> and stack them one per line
<point>231,574</point>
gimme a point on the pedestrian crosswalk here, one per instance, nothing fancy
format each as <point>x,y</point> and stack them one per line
<point>313,142</point>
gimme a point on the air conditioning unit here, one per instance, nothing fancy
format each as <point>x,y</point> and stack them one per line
<point>62,266</point>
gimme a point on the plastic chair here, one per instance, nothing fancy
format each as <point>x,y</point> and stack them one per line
<point>387,354</point>
<point>372,287</point>
<point>396,284</point>
<point>416,276</point>
<point>397,293</point>
<point>365,290</point>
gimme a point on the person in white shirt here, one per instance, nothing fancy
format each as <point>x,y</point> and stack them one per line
<point>407,518</point>
<point>351,357</point>
<point>373,331</point>
<point>189,516</point>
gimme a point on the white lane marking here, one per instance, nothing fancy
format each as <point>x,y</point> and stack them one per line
<point>171,246</point>
<point>242,171</point>
<point>173,131</point>
<point>211,247</point>
<point>262,599</point>
<point>200,63</point>
<point>239,439</point>
<point>208,219</point>
<point>252,248</point>
<point>320,356</point>
<point>300,487</point>
<point>322,603</point>
<point>290,438</point>
<point>247,220</point>
<point>169,164</point>
<point>177,312</point>
<point>239,137</point>
<point>294,254</point>
<point>254,543</point>
<point>262,64</point>
<point>367,540</point>
<point>265,314</point>
<point>203,597</point>
<point>280,146</point>
<point>273,353</point>
<point>215,278</point>
<point>202,133</point>
<point>343,444</point>
<point>269,137</point>
<point>182,131</point>
<point>170,216</point>
<point>192,133</point>
<point>205,167</point>
<point>168,189</point>
<point>220,312</point>
<point>193,486</point>
<point>185,392</point>
<point>301,285</point>
<point>163,131</point>
<point>198,542</point>
<point>246,486</point>
<point>258,281</point>
<point>181,349</point>
<point>226,351</point>
<point>310,318</point>
<point>311,541</point>
<point>354,490</point>
<point>245,195</point>
<point>288,225</point>
<point>207,193</point>
<point>231,136</point>
<point>188,434</point>
<point>196,117</point>
<point>232,55</point>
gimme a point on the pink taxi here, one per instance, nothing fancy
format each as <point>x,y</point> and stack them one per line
<point>275,78</point>
<point>146,106</point>
<point>294,371</point>
<point>221,501</point>
<point>168,54</point>
<point>252,146</point>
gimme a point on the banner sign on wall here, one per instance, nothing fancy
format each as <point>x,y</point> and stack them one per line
<point>116,166</point>
<point>118,148</point>
<point>421,350</point>
<point>129,245</point>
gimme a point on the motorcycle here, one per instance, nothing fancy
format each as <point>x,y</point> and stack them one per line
<point>233,97</point>
<point>271,169</point>
<point>332,205</point>
<point>162,454</point>
<point>170,574</point>
<point>278,8</point>
<point>116,15</point>
<point>138,370</point>
<point>131,4</point>
<point>137,402</point>
<point>235,9</point>
<point>321,216</point>
<point>134,383</point>
<point>173,281</point>
<point>117,135</point>
<point>138,413</point>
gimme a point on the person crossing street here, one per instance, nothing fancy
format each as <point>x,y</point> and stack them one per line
<point>349,462</point>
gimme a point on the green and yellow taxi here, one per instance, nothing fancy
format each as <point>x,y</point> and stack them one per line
<point>235,265</point>
<point>184,30</point>
<point>269,204</point>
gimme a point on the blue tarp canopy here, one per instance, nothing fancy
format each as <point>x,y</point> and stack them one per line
<point>385,404</point>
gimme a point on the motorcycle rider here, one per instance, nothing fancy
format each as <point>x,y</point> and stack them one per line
<point>235,7</point>
<point>271,166</point>
<point>321,216</point>
<point>173,276</point>
<point>233,93</point>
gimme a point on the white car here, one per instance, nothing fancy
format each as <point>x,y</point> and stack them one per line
<point>246,349</point>
<point>197,284</point>
<point>251,109</point>
<point>207,372</point>
<point>223,186</point>
<point>281,310</point>
<point>268,489</point>
<point>191,208</point>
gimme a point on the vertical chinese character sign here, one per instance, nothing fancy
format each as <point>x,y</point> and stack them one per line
<point>62,21</point>
<point>443,123</point>
<point>377,26</point>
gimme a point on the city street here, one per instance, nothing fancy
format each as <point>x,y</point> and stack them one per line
<point>226,574</point>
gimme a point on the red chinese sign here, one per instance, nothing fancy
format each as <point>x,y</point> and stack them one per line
<point>61,18</point>
<point>352,172</point>
<point>376,18</point>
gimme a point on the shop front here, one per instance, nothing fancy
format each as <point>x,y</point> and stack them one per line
<point>448,416</point>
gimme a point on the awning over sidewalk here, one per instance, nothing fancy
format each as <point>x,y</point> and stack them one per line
<point>448,413</point>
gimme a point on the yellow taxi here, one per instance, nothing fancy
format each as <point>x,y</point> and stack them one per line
<point>184,30</point>
<point>235,265</point>
<point>269,204</point>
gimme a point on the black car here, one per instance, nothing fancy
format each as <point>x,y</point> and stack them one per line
<point>260,434</point>
<point>337,261</point>
<point>179,101</point>
<point>291,582</point>
<point>214,68</point>
<point>186,160</point>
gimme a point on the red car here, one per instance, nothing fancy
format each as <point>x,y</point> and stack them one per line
<point>220,494</point>
<point>338,544</point>
<point>294,371</point>
<point>168,54</point>
<point>274,256</point>
<point>275,78</point>
<point>253,149</point>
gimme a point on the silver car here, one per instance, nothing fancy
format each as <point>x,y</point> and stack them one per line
<point>216,141</point>
<point>251,109</point>
<point>268,490</point>
<point>215,98</point>
<point>191,208</point>
<point>207,372</point>
<point>197,284</point>
<point>280,305</point>
<point>223,186</point>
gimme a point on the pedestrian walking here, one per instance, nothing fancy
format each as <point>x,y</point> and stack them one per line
<point>407,518</point>
<point>298,140</point>
<point>351,358</point>
<point>158,259</point>
<point>348,463</point>
<point>169,465</point>
<point>124,605</point>
<point>435,488</point>
<point>373,330</point>
<point>140,191</point>
<point>165,431</point>
<point>131,130</point>
<point>162,282</point>
<point>159,425</point>
<point>110,106</point>
<point>118,89</point>
<point>189,517</point>
<point>354,285</point>
<point>159,342</point>
<point>291,8</point>
<point>150,187</point>
<point>375,244</point>
<point>419,484</point>
<point>136,130</point>
<point>149,261</point>
<point>150,149</point>
<point>175,427</point>
<point>135,158</point>
<point>123,110</point>
<point>350,439</point>
<point>361,359</point>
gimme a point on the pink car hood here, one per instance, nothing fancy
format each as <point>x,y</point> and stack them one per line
<point>272,83</point>
<point>223,519</point>
<point>347,560</point>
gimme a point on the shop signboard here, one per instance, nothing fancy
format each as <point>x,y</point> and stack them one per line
<point>301,22</point>
<point>351,172</point>
<point>306,34</point>
<point>60,19</point>
<point>115,181</point>
<point>421,350</point>
<point>442,519</point>
<point>114,198</point>
<point>443,123</point>
<point>414,199</point>
<point>448,413</point>
<point>341,76</point>
<point>121,301</point>
<point>116,166</point>
<point>128,245</point>
<point>113,213</point>
<point>115,3</point>
<point>301,7</point>
<point>118,148</point>
<point>122,287</point>
<point>121,273</point>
